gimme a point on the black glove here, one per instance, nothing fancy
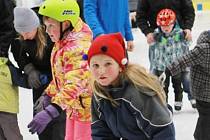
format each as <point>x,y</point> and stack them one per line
<point>33,76</point>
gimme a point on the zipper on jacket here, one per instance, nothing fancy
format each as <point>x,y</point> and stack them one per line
<point>141,128</point>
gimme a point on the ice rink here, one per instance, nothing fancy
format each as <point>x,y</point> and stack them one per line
<point>184,120</point>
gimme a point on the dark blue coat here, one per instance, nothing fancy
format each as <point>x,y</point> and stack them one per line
<point>139,116</point>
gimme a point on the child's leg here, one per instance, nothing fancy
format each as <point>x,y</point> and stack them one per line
<point>77,130</point>
<point>69,129</point>
<point>2,134</point>
<point>186,84</point>
<point>82,130</point>
<point>55,130</point>
<point>10,127</point>
<point>176,81</point>
<point>203,124</point>
<point>186,87</point>
<point>59,127</point>
<point>166,84</point>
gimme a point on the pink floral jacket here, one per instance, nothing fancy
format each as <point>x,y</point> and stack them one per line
<point>70,87</point>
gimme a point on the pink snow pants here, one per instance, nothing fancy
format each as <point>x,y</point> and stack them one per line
<point>77,130</point>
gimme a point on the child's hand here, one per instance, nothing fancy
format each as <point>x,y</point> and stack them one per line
<point>150,38</point>
<point>130,46</point>
<point>188,34</point>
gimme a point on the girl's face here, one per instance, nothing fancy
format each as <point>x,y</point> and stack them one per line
<point>29,35</point>
<point>104,69</point>
<point>53,29</point>
<point>167,29</point>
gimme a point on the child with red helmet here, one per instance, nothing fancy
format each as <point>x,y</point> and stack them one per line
<point>170,43</point>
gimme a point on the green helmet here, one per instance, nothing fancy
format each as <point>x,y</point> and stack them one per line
<point>61,10</point>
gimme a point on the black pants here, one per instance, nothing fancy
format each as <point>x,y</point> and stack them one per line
<point>55,130</point>
<point>176,83</point>
<point>202,131</point>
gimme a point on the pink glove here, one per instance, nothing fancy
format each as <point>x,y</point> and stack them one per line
<point>40,120</point>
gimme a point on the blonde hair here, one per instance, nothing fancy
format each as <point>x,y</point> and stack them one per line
<point>40,40</point>
<point>139,77</point>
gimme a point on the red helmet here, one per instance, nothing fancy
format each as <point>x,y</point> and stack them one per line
<point>165,17</point>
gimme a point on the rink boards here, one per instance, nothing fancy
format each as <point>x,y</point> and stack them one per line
<point>201,5</point>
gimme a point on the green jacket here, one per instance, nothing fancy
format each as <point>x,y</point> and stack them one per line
<point>9,100</point>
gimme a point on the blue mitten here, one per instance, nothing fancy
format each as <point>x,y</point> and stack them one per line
<point>40,120</point>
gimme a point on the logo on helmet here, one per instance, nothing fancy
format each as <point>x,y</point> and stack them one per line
<point>68,12</point>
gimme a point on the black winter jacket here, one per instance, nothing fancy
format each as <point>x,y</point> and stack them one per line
<point>139,116</point>
<point>25,52</point>
<point>148,9</point>
<point>6,26</point>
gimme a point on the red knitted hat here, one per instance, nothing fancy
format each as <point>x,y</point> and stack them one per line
<point>112,45</point>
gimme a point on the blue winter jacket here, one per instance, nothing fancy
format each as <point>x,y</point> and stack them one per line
<point>139,115</point>
<point>108,16</point>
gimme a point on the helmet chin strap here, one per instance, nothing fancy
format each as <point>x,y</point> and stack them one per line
<point>70,28</point>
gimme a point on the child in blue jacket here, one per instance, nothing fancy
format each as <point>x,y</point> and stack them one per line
<point>109,16</point>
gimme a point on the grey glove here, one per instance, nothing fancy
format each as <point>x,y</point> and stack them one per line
<point>43,101</point>
<point>33,76</point>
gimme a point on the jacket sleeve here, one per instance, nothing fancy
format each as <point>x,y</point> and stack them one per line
<point>75,91</point>
<point>162,133</point>
<point>75,86</point>
<point>141,17</point>
<point>194,57</point>
<point>19,53</point>
<point>154,119</point>
<point>51,89</point>
<point>7,30</point>
<point>100,130</point>
<point>128,32</point>
<point>188,14</point>
<point>90,15</point>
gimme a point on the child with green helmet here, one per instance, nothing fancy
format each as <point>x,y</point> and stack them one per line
<point>69,90</point>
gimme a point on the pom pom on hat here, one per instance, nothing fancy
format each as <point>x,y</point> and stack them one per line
<point>25,19</point>
<point>112,45</point>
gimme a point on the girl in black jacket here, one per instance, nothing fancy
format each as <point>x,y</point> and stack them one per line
<point>128,103</point>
